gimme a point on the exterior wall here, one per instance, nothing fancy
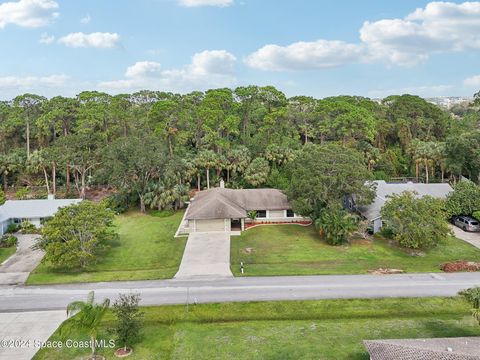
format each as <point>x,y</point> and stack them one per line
<point>35,221</point>
<point>209,225</point>
<point>4,226</point>
<point>277,216</point>
<point>377,225</point>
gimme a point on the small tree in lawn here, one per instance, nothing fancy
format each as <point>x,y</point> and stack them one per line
<point>3,198</point>
<point>88,317</point>
<point>472,295</point>
<point>129,320</point>
<point>417,223</point>
<point>336,225</point>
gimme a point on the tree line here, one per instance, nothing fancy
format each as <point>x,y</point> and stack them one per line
<point>154,146</point>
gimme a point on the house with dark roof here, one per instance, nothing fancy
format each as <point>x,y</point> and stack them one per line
<point>33,211</point>
<point>459,348</point>
<point>383,190</point>
<point>221,209</point>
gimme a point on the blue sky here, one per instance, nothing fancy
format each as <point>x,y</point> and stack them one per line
<point>321,48</point>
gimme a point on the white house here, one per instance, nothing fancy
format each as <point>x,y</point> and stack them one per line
<point>17,211</point>
<point>384,190</point>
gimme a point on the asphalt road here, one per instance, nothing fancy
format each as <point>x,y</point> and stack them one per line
<point>160,292</point>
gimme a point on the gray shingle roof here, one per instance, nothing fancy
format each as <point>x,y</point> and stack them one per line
<point>220,203</point>
<point>33,208</point>
<point>461,348</point>
<point>384,189</point>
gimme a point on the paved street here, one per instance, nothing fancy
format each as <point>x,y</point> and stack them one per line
<point>20,298</point>
<point>15,270</point>
<point>206,255</point>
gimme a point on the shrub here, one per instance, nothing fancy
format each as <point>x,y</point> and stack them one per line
<point>336,225</point>
<point>162,213</point>
<point>464,200</point>
<point>119,203</point>
<point>2,197</point>
<point>28,228</point>
<point>13,228</point>
<point>22,194</point>
<point>8,241</point>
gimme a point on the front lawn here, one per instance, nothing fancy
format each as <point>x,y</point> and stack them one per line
<point>5,253</point>
<point>146,250</point>
<point>297,250</point>
<point>326,329</point>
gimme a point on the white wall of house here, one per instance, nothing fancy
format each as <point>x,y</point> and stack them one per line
<point>4,226</point>
<point>277,216</point>
<point>377,225</point>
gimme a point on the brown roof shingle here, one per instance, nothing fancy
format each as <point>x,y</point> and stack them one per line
<point>221,203</point>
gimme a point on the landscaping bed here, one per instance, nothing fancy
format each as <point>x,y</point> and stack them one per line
<point>298,250</point>
<point>333,329</point>
<point>146,249</point>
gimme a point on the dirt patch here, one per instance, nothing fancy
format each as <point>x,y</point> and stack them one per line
<point>458,266</point>
<point>360,241</point>
<point>385,271</point>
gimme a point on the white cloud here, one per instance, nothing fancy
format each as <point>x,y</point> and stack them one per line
<point>96,40</point>
<point>28,13</point>
<point>86,19</point>
<point>304,55</point>
<point>46,39</point>
<point>196,3</point>
<point>210,68</point>
<point>440,27</point>
<point>473,81</point>
<point>28,82</point>
<point>424,91</point>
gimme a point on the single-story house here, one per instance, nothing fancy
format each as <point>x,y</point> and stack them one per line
<point>459,348</point>
<point>384,190</point>
<point>33,211</point>
<point>221,209</point>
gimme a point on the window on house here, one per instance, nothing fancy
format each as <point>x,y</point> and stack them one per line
<point>261,213</point>
<point>290,213</point>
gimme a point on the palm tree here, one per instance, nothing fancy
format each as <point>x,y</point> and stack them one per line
<point>472,295</point>
<point>88,316</point>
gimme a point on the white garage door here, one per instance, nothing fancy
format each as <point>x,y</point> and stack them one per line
<point>210,225</point>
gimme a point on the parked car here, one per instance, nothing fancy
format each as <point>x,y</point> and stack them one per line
<point>467,223</point>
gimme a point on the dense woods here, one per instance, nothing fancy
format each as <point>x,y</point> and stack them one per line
<point>152,146</point>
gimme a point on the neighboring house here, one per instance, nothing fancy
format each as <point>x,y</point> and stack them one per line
<point>221,209</point>
<point>461,348</point>
<point>383,190</point>
<point>34,211</point>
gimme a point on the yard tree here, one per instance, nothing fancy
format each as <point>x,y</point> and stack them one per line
<point>416,223</point>
<point>464,200</point>
<point>128,319</point>
<point>257,172</point>
<point>75,236</point>
<point>88,317</point>
<point>335,224</point>
<point>133,162</point>
<point>207,159</point>
<point>322,175</point>
<point>238,159</point>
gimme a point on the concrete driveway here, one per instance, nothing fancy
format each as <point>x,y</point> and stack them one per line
<point>206,255</point>
<point>470,237</point>
<point>22,333</point>
<point>15,269</point>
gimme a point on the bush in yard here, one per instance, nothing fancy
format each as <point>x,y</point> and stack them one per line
<point>416,223</point>
<point>8,241</point>
<point>21,194</point>
<point>129,320</point>
<point>28,228</point>
<point>464,200</point>
<point>74,237</point>
<point>3,198</point>
<point>12,228</point>
<point>336,225</point>
<point>472,295</point>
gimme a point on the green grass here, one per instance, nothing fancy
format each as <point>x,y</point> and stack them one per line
<point>5,253</point>
<point>146,249</point>
<point>326,329</point>
<point>297,250</point>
